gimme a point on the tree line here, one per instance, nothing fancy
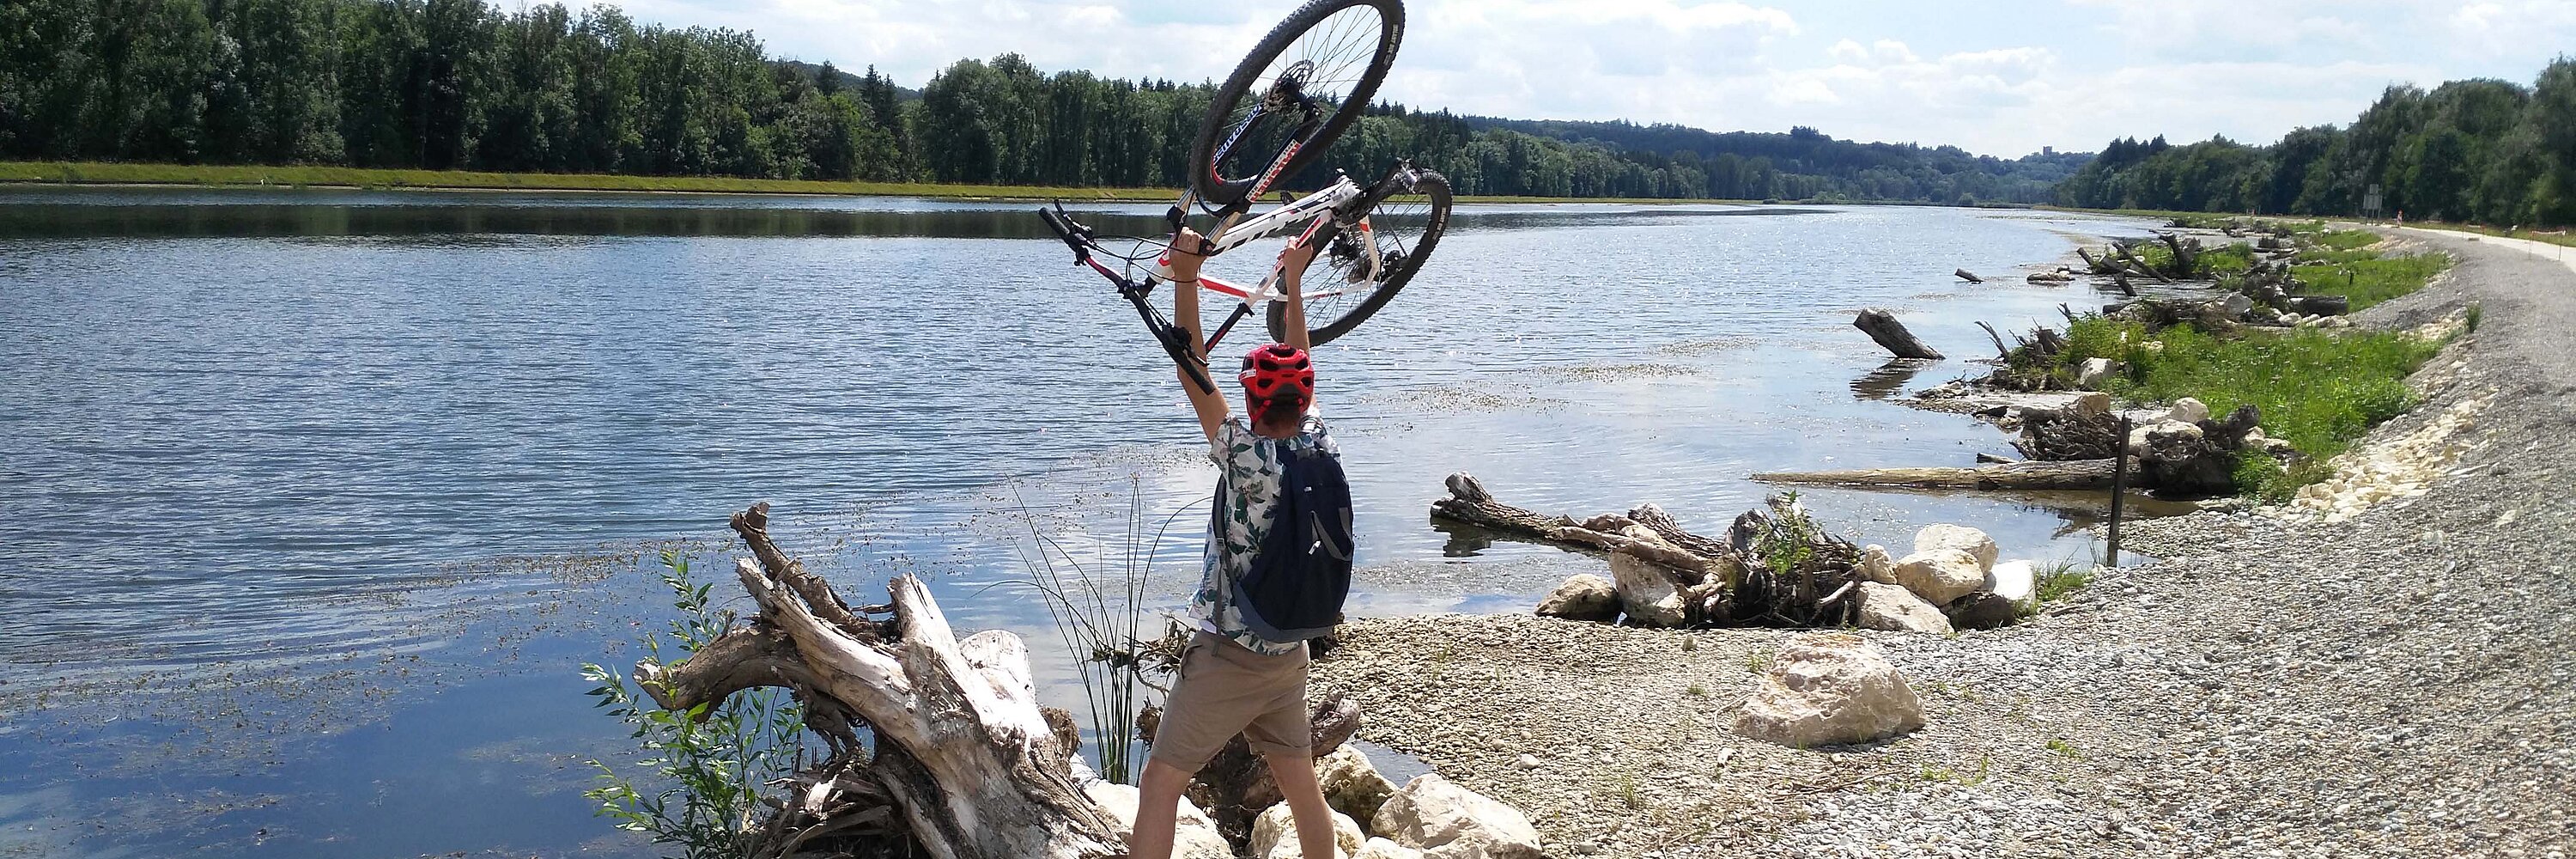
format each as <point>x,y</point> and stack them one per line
<point>463,84</point>
<point>2480,150</point>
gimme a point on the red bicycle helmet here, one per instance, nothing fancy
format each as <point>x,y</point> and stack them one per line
<point>1276,370</point>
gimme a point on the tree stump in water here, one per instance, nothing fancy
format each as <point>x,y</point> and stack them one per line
<point>1891,335</point>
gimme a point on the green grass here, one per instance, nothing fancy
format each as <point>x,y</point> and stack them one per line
<point>2370,281</point>
<point>2232,259</point>
<point>2341,240</point>
<point>2319,390</point>
<point>2058,581</point>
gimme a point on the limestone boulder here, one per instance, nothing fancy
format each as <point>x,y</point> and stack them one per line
<point>1380,848</point>
<point>1650,593</point>
<point>1876,565</point>
<point>1941,575</point>
<point>1352,785</point>
<point>2012,580</point>
<point>2093,372</point>
<point>2093,403</point>
<point>1583,596</point>
<point>1446,821</point>
<point>1960,537</point>
<point>1829,689</point>
<point>1895,609</point>
<point>1274,835</point>
<point>1194,834</point>
<point>2188,410</point>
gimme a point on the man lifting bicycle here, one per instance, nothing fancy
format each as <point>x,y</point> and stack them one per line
<point>1232,679</point>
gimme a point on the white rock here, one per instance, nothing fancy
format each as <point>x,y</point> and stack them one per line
<point>2188,410</point>
<point>1583,596</point>
<point>1828,689</point>
<point>1274,834</point>
<point>2012,580</point>
<point>1876,565</point>
<point>1961,537</point>
<point>2093,372</point>
<point>1351,784</point>
<point>1895,609</point>
<point>1194,834</point>
<point>1380,848</point>
<point>1446,821</point>
<point>1648,591</point>
<point>2092,403</point>
<point>1940,575</point>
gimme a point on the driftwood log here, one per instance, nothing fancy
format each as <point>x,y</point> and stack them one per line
<point>2079,474</point>
<point>1891,335</point>
<point>1722,582</point>
<point>964,757</point>
<point>1969,276</point>
<point>2141,264</point>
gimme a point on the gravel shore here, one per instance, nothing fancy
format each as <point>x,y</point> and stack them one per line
<point>2400,684</point>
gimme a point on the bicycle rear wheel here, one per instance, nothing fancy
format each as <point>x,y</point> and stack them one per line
<point>1403,227</point>
<point>1298,90</point>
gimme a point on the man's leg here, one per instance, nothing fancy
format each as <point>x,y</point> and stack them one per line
<point>1295,773</point>
<point>1158,804</point>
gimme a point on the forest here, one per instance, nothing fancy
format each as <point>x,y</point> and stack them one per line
<point>2486,151</point>
<point>463,84</point>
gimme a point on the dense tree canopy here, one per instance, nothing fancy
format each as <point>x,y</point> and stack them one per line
<point>463,84</point>
<point>2472,150</point>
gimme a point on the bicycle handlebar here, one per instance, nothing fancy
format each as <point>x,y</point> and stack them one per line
<point>1176,341</point>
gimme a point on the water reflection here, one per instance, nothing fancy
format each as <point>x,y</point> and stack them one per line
<point>1888,379</point>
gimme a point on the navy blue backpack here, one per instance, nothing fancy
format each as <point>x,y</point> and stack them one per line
<point>1302,570</point>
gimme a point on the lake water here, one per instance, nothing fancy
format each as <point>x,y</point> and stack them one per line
<point>315,501</point>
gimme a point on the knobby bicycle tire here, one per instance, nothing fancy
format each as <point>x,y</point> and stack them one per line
<point>1219,123</point>
<point>1425,183</point>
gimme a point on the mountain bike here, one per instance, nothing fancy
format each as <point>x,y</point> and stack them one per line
<point>1304,84</point>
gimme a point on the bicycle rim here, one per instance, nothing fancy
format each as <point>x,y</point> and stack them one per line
<point>1332,52</point>
<point>1403,228</point>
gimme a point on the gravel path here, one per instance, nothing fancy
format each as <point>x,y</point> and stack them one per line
<point>2401,684</point>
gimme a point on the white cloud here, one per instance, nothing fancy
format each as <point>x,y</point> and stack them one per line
<point>2072,73</point>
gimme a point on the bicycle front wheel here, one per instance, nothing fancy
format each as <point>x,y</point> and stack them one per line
<point>1348,282</point>
<point>1305,83</point>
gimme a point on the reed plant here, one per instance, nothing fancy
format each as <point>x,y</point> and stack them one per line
<point>1100,621</point>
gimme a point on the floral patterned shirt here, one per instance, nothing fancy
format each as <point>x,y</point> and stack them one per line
<point>1252,468</point>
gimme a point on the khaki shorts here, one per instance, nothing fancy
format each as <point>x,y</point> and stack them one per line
<point>1225,689</point>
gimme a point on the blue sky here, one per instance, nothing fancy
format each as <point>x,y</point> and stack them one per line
<point>1994,77</point>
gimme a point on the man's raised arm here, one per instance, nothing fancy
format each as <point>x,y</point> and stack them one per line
<point>1210,405</point>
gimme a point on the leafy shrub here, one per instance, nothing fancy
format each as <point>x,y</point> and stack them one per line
<point>701,770</point>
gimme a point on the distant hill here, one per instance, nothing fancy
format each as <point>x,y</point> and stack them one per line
<point>1887,171</point>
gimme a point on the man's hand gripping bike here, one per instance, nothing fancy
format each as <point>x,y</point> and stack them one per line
<point>1298,90</point>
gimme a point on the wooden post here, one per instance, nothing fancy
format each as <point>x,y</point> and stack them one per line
<point>2119,488</point>
<point>1891,334</point>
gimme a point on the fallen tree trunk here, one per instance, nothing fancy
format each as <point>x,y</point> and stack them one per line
<point>964,756</point>
<point>2141,264</point>
<point>1892,336</point>
<point>2076,474</point>
<point>1468,502</point>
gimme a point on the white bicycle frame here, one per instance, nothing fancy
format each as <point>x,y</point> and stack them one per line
<point>1313,210</point>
